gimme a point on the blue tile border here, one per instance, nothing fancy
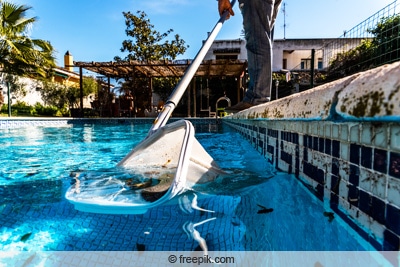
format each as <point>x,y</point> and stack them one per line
<point>329,162</point>
<point>8,123</point>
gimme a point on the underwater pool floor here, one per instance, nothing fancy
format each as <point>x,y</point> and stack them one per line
<point>279,214</point>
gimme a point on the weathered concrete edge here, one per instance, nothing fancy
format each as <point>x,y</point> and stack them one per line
<point>372,95</point>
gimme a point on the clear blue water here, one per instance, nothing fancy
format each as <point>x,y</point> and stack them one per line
<point>259,210</point>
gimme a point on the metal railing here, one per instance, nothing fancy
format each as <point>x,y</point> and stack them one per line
<point>372,43</point>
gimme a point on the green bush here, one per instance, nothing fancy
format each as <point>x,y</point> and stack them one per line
<point>381,49</point>
<point>47,110</point>
<point>21,108</point>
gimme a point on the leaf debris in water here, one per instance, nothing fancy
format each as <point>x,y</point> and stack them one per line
<point>25,237</point>
<point>140,247</point>
<point>264,210</point>
<point>330,215</point>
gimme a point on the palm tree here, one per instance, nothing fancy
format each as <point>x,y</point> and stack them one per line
<point>19,54</point>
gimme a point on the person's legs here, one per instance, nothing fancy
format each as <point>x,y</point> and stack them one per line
<point>258,21</point>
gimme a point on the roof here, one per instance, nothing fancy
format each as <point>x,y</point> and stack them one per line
<point>165,68</point>
<point>65,73</point>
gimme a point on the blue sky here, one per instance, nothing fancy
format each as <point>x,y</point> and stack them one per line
<point>93,30</point>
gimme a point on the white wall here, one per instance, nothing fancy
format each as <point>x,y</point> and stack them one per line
<point>227,44</point>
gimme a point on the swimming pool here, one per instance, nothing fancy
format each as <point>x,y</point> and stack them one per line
<point>276,214</point>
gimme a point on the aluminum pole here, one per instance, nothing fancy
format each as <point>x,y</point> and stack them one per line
<point>180,89</point>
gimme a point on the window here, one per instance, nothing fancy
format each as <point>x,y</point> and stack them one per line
<point>320,64</point>
<point>284,63</point>
<point>232,57</point>
<point>305,64</point>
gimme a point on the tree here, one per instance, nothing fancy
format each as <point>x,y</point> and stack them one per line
<point>19,54</point>
<point>55,94</point>
<point>1,99</point>
<point>148,44</point>
<point>62,96</point>
<point>73,93</point>
<point>17,87</point>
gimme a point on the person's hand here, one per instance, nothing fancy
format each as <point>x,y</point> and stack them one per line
<point>225,5</point>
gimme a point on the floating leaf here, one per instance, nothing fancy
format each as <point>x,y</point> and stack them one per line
<point>25,237</point>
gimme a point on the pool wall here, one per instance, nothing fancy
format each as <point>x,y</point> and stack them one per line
<point>342,140</point>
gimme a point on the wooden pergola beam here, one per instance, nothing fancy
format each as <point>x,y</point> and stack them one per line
<point>162,68</point>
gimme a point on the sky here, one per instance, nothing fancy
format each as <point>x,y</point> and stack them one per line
<point>93,30</point>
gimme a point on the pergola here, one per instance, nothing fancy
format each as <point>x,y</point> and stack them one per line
<point>162,68</point>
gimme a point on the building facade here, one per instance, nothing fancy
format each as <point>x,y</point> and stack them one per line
<point>32,88</point>
<point>288,54</point>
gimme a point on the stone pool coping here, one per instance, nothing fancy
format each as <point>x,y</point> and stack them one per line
<point>373,95</point>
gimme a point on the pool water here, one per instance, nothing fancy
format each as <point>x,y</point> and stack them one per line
<point>254,209</point>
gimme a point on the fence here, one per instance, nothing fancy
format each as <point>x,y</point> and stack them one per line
<point>373,42</point>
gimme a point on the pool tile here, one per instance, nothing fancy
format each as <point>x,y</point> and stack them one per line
<point>315,125</point>
<point>393,195</point>
<point>335,184</point>
<point>355,154</point>
<point>328,146</point>
<point>321,145</point>
<point>395,137</point>
<point>305,140</point>
<point>365,180</point>
<point>335,166</point>
<point>315,143</point>
<point>378,184</point>
<point>344,170</point>
<point>345,151</point>
<point>380,139</point>
<point>354,133</point>
<point>378,208</point>
<point>366,157</point>
<point>328,131</point>
<point>320,178</point>
<point>335,131</point>
<point>336,148</point>
<point>394,165</point>
<point>353,195</point>
<point>366,134</point>
<point>344,133</point>
<point>364,203</point>
<point>380,160</point>
<point>354,176</point>
<point>334,201</point>
<point>377,230</point>
<point>320,191</point>
<point>391,241</point>
<point>393,219</point>
<point>295,138</point>
<point>305,154</point>
<point>310,141</point>
<point>343,189</point>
